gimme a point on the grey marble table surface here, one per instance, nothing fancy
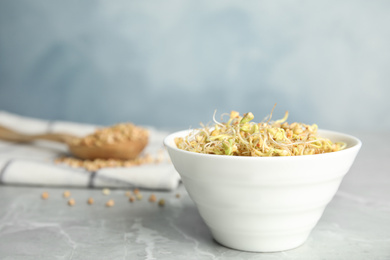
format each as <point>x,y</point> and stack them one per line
<point>355,225</point>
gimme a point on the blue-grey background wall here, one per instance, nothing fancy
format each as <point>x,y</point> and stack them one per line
<point>171,63</point>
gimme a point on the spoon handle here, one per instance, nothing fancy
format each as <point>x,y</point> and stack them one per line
<point>13,136</point>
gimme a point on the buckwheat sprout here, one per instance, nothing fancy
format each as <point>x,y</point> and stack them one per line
<point>342,145</point>
<point>283,119</point>
<point>215,121</point>
<point>239,136</point>
<point>224,114</point>
<point>270,115</point>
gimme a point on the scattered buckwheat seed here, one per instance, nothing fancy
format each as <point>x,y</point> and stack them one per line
<point>66,194</point>
<point>45,195</point>
<point>132,199</point>
<point>152,198</point>
<point>71,202</point>
<point>110,203</point>
<point>90,201</point>
<point>106,191</point>
<point>161,202</point>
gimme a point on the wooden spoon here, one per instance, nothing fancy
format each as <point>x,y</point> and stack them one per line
<point>125,151</point>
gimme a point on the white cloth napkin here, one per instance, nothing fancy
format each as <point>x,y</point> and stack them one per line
<point>33,163</point>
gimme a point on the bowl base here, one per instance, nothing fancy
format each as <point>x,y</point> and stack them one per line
<point>259,243</point>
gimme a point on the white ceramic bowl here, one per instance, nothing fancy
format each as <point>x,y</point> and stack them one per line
<point>262,204</point>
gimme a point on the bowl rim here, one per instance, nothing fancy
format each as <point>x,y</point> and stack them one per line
<point>354,147</point>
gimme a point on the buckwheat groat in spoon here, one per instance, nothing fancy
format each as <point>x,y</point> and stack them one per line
<point>122,141</point>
